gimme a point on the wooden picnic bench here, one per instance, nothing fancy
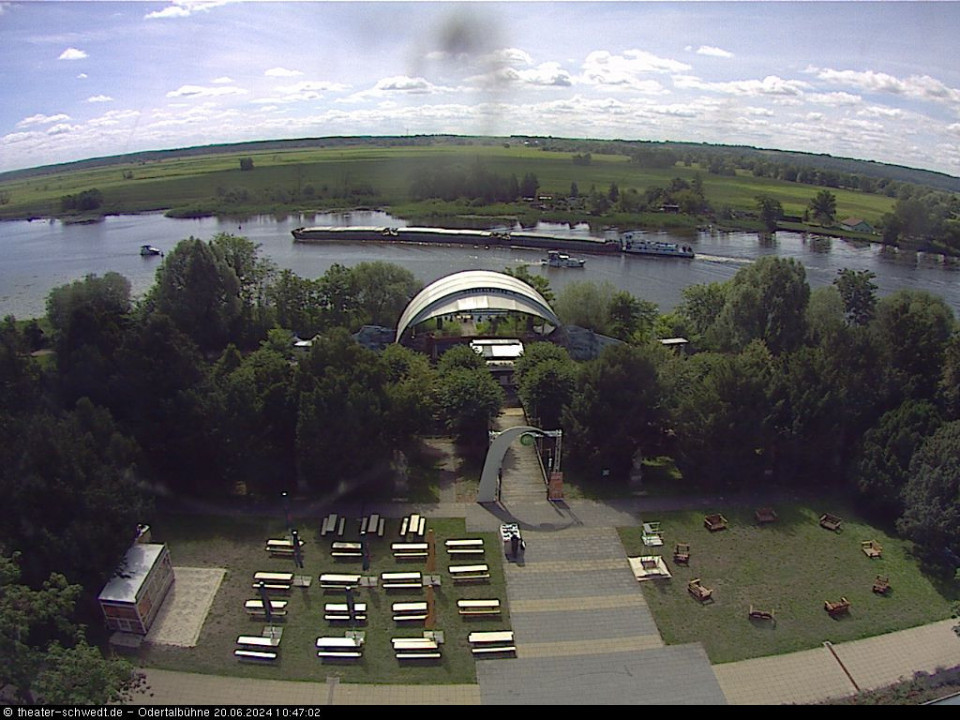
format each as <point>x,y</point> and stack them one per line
<point>340,648</point>
<point>255,608</point>
<point>765,515</point>
<point>681,554</point>
<point>340,612</point>
<point>409,551</point>
<point>281,547</point>
<point>332,581</point>
<point>401,581</point>
<point>372,525</point>
<point>409,611</point>
<point>346,550</point>
<point>263,656</point>
<point>715,522</point>
<point>469,573</point>
<point>465,546</point>
<point>871,548</point>
<point>652,535</point>
<point>696,588</point>
<point>881,585</point>
<point>422,648</point>
<point>831,522</point>
<point>257,648</point>
<point>837,608</point>
<point>479,608</point>
<point>272,587</point>
<point>755,614</point>
<point>491,643</point>
<point>329,524</point>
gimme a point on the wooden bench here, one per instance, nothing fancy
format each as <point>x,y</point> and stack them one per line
<point>273,587</point>
<point>332,581</point>
<point>755,614</point>
<point>258,642</point>
<point>715,522</point>
<point>346,550</point>
<point>416,648</point>
<point>479,608</point>
<point>263,656</point>
<point>339,648</point>
<point>465,547</point>
<point>340,612</point>
<point>469,573</point>
<point>281,547</point>
<point>278,608</point>
<point>372,525</point>
<point>401,581</point>
<point>881,585</point>
<point>681,554</point>
<point>329,524</point>
<point>765,515</point>
<point>409,611</point>
<point>871,548</point>
<point>409,551</point>
<point>834,609</point>
<point>831,522</point>
<point>696,588</point>
<point>491,643</point>
<point>284,578</point>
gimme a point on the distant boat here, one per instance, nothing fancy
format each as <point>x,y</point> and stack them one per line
<point>557,259</point>
<point>148,250</point>
<point>635,244</point>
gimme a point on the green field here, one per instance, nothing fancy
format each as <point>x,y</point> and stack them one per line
<point>789,567</point>
<point>237,544</point>
<point>279,178</point>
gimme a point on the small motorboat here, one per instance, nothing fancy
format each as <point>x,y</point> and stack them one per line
<point>149,250</point>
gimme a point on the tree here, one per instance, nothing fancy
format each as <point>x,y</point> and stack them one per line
<point>616,410</point>
<point>859,294</point>
<point>767,301</point>
<point>410,384</point>
<point>913,328</point>
<point>771,212</point>
<point>246,164</point>
<point>631,318</point>
<point>383,291</point>
<point>337,289</point>
<point>468,400</point>
<point>253,274</point>
<point>932,495</point>
<point>200,292</point>
<point>537,282</point>
<point>823,206</point>
<point>546,379</point>
<point>44,657</point>
<point>460,357</point>
<point>529,185</point>
<point>882,471</point>
<point>586,304</point>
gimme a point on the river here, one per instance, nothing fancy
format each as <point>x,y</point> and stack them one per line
<point>40,255</point>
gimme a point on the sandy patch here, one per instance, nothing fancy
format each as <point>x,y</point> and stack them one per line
<point>186,606</point>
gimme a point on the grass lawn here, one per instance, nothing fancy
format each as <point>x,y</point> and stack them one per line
<point>237,545</point>
<point>790,567</point>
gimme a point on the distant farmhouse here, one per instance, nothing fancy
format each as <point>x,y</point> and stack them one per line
<point>856,224</point>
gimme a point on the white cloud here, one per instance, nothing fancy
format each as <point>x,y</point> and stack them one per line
<point>99,99</point>
<point>954,128</point>
<point>82,76</point>
<point>222,80</point>
<point>202,91</point>
<point>185,8</point>
<point>72,54</point>
<point>42,120</point>
<point>603,68</point>
<point>712,51</point>
<point>833,98</point>
<point>770,85</point>
<point>282,72</point>
<point>62,129</point>
<point>922,87</point>
<point>405,84</point>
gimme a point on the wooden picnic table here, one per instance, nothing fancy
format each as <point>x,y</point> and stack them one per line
<point>464,573</point>
<point>258,641</point>
<point>339,642</point>
<point>274,577</point>
<point>332,580</point>
<point>496,636</point>
<point>397,580</point>
<point>464,542</point>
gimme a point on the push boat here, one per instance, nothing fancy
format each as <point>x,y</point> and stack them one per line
<point>636,244</point>
<point>557,259</point>
<point>148,250</point>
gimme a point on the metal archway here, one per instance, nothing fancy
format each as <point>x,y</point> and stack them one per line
<point>491,466</point>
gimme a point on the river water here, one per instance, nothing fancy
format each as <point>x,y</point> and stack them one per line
<point>38,256</point>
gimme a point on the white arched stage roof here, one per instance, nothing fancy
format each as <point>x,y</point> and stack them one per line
<point>474,291</point>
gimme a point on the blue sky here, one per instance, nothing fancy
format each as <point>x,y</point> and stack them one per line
<point>877,81</point>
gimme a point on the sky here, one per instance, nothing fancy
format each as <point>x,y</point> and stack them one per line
<point>869,80</point>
